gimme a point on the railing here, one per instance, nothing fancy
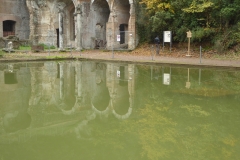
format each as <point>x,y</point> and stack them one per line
<point>8,33</point>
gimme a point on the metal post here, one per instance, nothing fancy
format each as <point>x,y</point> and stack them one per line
<point>152,51</point>
<point>157,49</point>
<point>71,49</point>
<point>163,42</point>
<point>48,49</point>
<point>112,50</point>
<point>151,73</point>
<point>171,44</point>
<point>199,79</point>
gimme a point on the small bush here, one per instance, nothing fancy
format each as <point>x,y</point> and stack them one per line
<point>47,46</point>
<point>203,34</point>
<point>1,53</point>
<point>229,39</point>
<point>24,47</point>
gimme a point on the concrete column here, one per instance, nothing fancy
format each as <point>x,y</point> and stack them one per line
<point>1,29</point>
<point>132,29</point>
<point>114,36</point>
<point>111,30</point>
<point>78,13</point>
<point>60,30</point>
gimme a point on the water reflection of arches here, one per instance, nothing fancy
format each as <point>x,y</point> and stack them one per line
<point>110,96</point>
<point>121,89</point>
<point>101,98</point>
<point>66,89</point>
<point>108,92</point>
<point>85,85</point>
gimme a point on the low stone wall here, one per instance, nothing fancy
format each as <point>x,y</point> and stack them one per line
<point>16,42</point>
<point>3,44</point>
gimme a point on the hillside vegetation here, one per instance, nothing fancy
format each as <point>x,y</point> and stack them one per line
<point>212,22</point>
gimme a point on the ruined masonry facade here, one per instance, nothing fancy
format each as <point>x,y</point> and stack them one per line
<point>71,23</point>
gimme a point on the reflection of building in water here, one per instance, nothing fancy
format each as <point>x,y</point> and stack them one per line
<point>121,89</point>
<point>14,96</point>
<point>51,91</point>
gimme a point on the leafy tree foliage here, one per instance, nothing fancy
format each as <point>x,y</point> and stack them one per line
<point>209,20</point>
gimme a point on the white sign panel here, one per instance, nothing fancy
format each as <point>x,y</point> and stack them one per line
<point>167,36</point>
<point>118,74</point>
<point>118,38</point>
<point>166,79</point>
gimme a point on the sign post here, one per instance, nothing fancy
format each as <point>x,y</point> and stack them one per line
<point>189,35</point>
<point>167,37</point>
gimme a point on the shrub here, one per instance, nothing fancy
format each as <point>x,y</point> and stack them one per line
<point>203,34</point>
<point>47,46</point>
<point>1,53</point>
<point>229,39</point>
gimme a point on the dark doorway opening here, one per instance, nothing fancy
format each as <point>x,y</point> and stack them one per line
<point>10,78</point>
<point>57,30</point>
<point>8,28</point>
<point>123,29</point>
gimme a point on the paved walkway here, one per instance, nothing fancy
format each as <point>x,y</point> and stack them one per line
<point>121,57</point>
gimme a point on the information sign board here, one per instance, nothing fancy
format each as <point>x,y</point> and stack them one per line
<point>118,38</point>
<point>167,36</point>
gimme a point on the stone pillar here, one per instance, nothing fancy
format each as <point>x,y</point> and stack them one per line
<point>114,35</point>
<point>61,6</point>
<point>132,29</point>
<point>78,13</point>
<point>111,30</point>
<point>60,30</point>
<point>1,29</point>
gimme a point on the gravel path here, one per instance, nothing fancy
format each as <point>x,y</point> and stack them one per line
<point>122,57</point>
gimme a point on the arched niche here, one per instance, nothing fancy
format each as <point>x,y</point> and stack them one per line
<point>101,97</point>
<point>118,24</point>
<point>122,8</point>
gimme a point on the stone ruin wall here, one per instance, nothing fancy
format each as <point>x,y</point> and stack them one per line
<point>84,22</point>
<point>15,10</point>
